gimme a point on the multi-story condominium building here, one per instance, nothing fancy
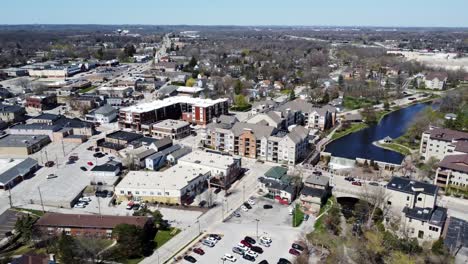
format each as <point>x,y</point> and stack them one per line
<point>258,141</point>
<point>416,201</point>
<point>174,129</point>
<point>303,113</point>
<point>440,142</point>
<point>193,110</point>
<point>453,171</point>
<point>435,80</point>
<point>12,113</point>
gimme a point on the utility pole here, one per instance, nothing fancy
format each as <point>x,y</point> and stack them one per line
<point>9,196</point>
<point>40,197</point>
<point>243,192</point>
<point>47,158</point>
<point>257,220</point>
<point>63,148</point>
<point>99,205</point>
<point>199,227</point>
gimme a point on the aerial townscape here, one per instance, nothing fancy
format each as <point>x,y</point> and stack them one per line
<point>154,133</point>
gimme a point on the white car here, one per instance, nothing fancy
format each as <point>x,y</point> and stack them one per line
<point>79,205</point>
<point>228,257</point>
<point>242,247</point>
<point>85,199</point>
<point>251,201</point>
<point>51,176</point>
<point>245,209</point>
<point>214,240</point>
<point>265,239</point>
<point>263,243</point>
<point>251,253</point>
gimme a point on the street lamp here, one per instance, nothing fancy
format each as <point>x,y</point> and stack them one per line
<point>199,228</point>
<point>257,220</point>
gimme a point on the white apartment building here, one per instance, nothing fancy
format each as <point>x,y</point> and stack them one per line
<point>453,170</point>
<point>416,202</point>
<point>440,142</point>
<point>435,80</point>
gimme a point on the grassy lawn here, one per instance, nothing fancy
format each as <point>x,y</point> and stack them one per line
<point>32,211</point>
<point>133,261</point>
<point>165,235</point>
<point>353,128</point>
<point>285,91</point>
<point>85,90</point>
<point>395,147</point>
<point>319,226</point>
<point>298,216</point>
<point>241,108</point>
<point>356,103</point>
<point>456,191</point>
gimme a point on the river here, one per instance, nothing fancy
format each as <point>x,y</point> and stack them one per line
<point>359,144</point>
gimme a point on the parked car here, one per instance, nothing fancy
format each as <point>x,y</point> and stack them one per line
<point>250,240</point>
<point>190,259</point>
<point>215,236</point>
<point>208,243</point>
<point>130,205</point>
<point>246,204</point>
<point>262,243</point>
<point>317,173</point>
<point>349,178</point>
<point>373,183</point>
<point>110,194</point>
<point>263,262</point>
<point>90,163</point>
<point>237,250</point>
<point>217,190</point>
<point>245,243</point>
<point>297,247</point>
<point>251,253</point>
<point>294,252</point>
<point>244,208</point>
<point>228,257</point>
<point>136,207</point>
<point>267,206</point>
<point>265,239</point>
<point>283,261</point>
<point>248,257</point>
<point>251,201</point>
<point>84,199</point>
<point>202,203</point>
<point>257,249</point>
<point>83,168</point>
<point>199,251</point>
<point>79,205</point>
<point>242,247</point>
<point>356,183</point>
<point>212,239</point>
<point>236,214</point>
<point>49,163</point>
<point>51,176</point>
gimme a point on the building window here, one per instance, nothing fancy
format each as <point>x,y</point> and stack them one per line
<point>137,192</point>
<point>419,198</point>
<point>389,202</point>
<point>122,192</point>
<point>410,220</point>
<point>407,198</point>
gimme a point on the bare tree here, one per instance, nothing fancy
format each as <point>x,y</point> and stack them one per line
<point>376,198</point>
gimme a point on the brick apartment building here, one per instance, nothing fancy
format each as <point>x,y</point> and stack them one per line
<point>100,226</point>
<point>193,110</point>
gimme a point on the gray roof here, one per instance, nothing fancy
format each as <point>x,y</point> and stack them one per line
<point>456,234</point>
<point>317,180</point>
<point>35,126</point>
<point>22,140</point>
<point>434,216</point>
<point>228,119</point>
<point>165,152</point>
<point>267,103</point>
<point>410,186</point>
<point>144,154</point>
<point>11,108</point>
<point>181,152</point>
<point>163,142</point>
<point>168,89</point>
<point>124,135</point>
<point>275,117</point>
<point>20,169</point>
<point>105,110</point>
<point>105,167</point>
<point>315,192</point>
<point>258,130</point>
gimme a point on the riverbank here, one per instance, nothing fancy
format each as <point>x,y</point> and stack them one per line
<point>393,147</point>
<point>353,128</point>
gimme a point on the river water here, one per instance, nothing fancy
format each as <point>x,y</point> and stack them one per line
<point>359,144</point>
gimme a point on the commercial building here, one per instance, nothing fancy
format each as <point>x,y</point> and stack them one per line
<point>224,169</point>
<point>22,145</point>
<point>103,115</point>
<point>416,202</point>
<point>193,110</point>
<point>314,194</point>
<point>12,113</point>
<point>158,159</point>
<point>440,142</point>
<point>14,171</point>
<point>55,72</point>
<point>279,185</point>
<point>173,129</point>
<point>81,225</point>
<point>116,91</point>
<point>176,185</point>
<point>41,102</point>
<point>116,141</point>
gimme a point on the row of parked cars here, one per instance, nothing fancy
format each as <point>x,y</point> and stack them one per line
<point>249,249</point>
<point>82,202</point>
<point>210,241</point>
<point>358,183</point>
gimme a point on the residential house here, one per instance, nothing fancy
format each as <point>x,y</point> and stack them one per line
<point>453,172</point>
<point>435,80</point>
<point>159,159</point>
<point>315,193</point>
<point>440,142</point>
<point>103,115</point>
<point>277,184</point>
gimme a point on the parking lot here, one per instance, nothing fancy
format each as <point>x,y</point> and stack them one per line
<point>275,223</point>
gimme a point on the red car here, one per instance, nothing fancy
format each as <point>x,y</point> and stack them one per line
<point>294,252</point>
<point>199,251</point>
<point>356,183</point>
<point>90,163</point>
<point>245,243</point>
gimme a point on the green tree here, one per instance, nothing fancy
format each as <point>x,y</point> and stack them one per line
<point>438,247</point>
<point>240,101</point>
<point>66,249</point>
<point>369,114</point>
<point>386,106</point>
<point>24,226</point>
<point>192,62</point>
<point>292,94</point>
<point>190,82</point>
<point>100,54</point>
<point>129,50</point>
<point>341,81</point>
<point>238,86</point>
<point>130,240</point>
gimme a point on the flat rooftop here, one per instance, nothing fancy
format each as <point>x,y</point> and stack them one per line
<point>187,89</point>
<point>174,178</point>
<point>6,164</point>
<point>171,124</point>
<point>146,107</point>
<point>207,159</point>
<point>21,140</point>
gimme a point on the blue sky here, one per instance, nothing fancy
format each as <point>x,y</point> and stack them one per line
<point>448,13</point>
